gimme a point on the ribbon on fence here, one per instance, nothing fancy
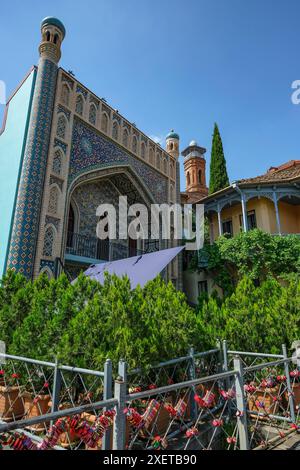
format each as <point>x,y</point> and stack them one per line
<point>90,435</point>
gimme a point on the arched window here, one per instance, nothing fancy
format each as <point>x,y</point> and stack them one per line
<point>53,200</point>
<point>172,193</point>
<point>49,241</point>
<point>151,155</point>
<point>93,114</point>
<point>134,144</point>
<point>61,126</point>
<point>143,150</point>
<point>55,40</point>
<point>158,161</point>
<point>79,105</point>
<point>172,170</point>
<point>125,138</point>
<point>65,94</point>
<point>200,176</point>
<point>165,166</point>
<point>115,131</point>
<point>57,162</point>
<point>104,122</point>
<point>188,178</point>
<point>48,36</point>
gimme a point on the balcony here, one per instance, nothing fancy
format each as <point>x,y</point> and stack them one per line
<point>87,247</point>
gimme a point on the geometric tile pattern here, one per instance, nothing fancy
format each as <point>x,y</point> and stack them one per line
<point>29,199</point>
<point>91,151</point>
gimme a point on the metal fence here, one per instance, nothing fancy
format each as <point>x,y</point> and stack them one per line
<point>218,399</point>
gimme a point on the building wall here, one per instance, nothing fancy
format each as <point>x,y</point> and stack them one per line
<point>12,142</point>
<point>190,285</point>
<point>264,212</point>
<point>88,145</point>
<point>289,217</point>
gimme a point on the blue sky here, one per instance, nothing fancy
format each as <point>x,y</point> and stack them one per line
<point>181,64</point>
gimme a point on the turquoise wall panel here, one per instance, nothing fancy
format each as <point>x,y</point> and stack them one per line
<point>12,143</point>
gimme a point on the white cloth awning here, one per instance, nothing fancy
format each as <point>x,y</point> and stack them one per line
<point>139,269</point>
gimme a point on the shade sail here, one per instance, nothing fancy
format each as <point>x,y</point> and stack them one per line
<point>139,269</point>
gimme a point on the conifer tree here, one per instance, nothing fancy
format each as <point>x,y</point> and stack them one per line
<point>218,172</point>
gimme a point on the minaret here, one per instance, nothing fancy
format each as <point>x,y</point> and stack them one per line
<point>172,147</point>
<point>172,141</point>
<point>31,186</point>
<point>194,169</point>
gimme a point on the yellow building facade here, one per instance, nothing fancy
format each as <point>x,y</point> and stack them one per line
<point>270,202</point>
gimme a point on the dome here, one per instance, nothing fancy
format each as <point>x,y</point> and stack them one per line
<point>172,135</point>
<point>193,143</point>
<point>51,20</point>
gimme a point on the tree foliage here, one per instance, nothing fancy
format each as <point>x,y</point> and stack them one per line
<point>254,318</point>
<point>256,254</point>
<point>218,171</point>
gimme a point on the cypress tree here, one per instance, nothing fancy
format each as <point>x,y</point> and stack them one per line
<point>218,172</point>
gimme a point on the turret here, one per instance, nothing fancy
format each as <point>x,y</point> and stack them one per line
<point>194,169</point>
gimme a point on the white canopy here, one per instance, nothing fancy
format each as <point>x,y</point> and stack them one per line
<point>139,269</point>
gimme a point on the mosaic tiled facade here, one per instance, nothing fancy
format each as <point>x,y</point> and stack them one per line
<point>91,151</point>
<point>26,220</point>
<point>79,151</point>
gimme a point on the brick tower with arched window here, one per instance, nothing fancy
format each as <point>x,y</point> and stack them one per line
<point>194,169</point>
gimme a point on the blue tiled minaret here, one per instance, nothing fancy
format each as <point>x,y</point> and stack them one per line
<point>30,192</point>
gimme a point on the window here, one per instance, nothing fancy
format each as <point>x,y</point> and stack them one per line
<point>48,242</point>
<point>125,138</point>
<point>134,144</point>
<point>172,170</point>
<point>115,130</point>
<point>202,287</point>
<point>227,227</point>
<point>172,193</point>
<point>200,176</point>
<point>188,178</point>
<point>143,150</point>
<point>57,162</point>
<point>48,36</point>
<point>165,166</point>
<point>151,155</point>
<point>251,220</point>
<point>93,114</point>
<point>55,40</point>
<point>65,94</point>
<point>61,126</point>
<point>79,105</point>
<point>158,161</point>
<point>104,122</point>
<point>53,200</point>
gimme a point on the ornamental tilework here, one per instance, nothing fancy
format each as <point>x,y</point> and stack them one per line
<point>55,180</point>
<point>60,144</point>
<point>81,90</point>
<point>52,221</point>
<point>67,79</point>
<point>90,151</point>
<point>47,264</point>
<point>61,109</point>
<point>29,200</point>
<point>88,197</point>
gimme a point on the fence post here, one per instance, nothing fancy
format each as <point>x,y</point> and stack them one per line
<point>122,371</point>
<point>192,376</point>
<point>288,384</point>
<point>107,393</point>
<point>119,430</point>
<point>56,387</point>
<point>241,404</point>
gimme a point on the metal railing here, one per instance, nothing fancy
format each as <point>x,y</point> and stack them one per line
<point>87,246</point>
<point>230,403</point>
<point>31,388</point>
